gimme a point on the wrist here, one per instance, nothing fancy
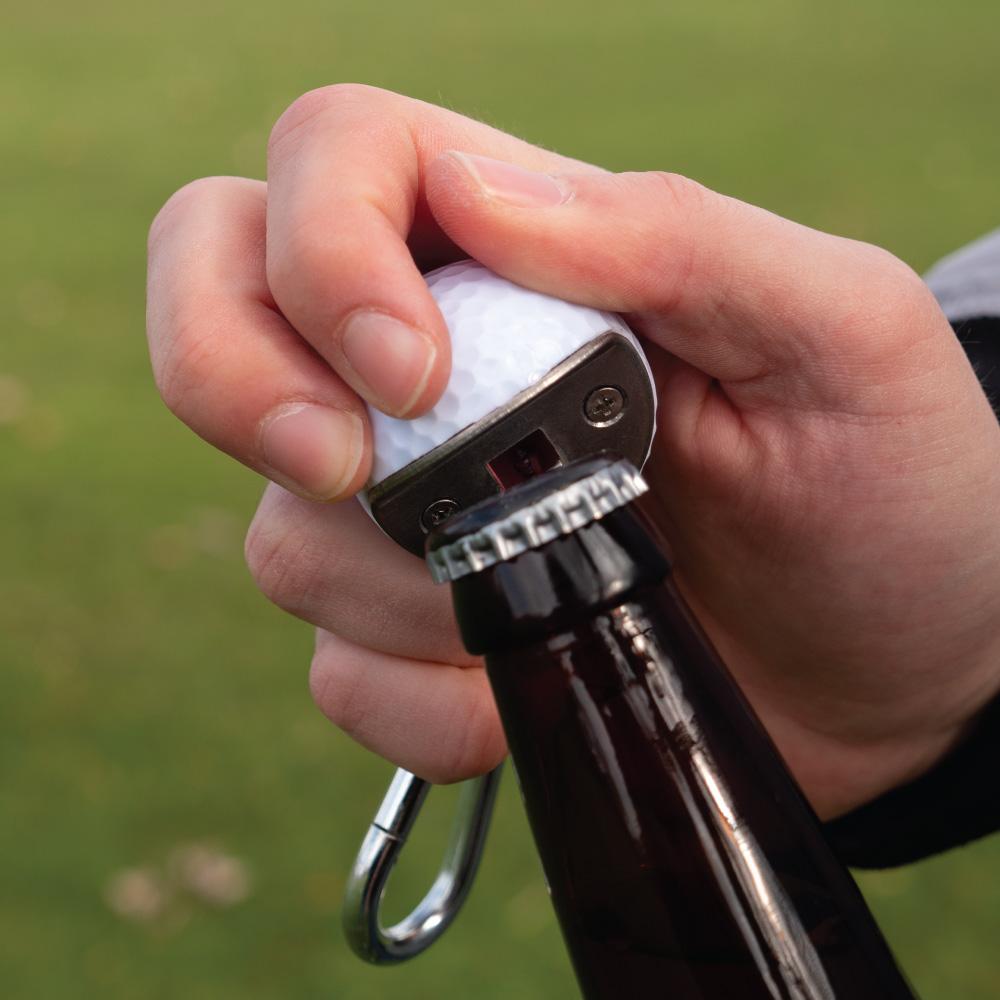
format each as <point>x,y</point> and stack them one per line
<point>950,804</point>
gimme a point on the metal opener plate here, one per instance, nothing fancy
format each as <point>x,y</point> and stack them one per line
<point>600,399</point>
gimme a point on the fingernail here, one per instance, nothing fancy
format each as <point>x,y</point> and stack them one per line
<point>315,448</point>
<point>392,361</point>
<point>513,184</point>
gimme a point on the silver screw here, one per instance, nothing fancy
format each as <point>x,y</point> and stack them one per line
<point>437,513</point>
<point>605,405</point>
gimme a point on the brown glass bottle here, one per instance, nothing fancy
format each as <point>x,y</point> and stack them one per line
<point>682,860</point>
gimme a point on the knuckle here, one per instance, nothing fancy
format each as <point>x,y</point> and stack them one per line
<point>895,306</point>
<point>478,743</point>
<point>337,690</point>
<point>884,269</point>
<point>302,265</point>
<point>680,205</point>
<point>680,193</point>
<point>184,367</point>
<point>277,553</point>
<point>183,202</point>
<point>304,111</point>
<point>297,117</point>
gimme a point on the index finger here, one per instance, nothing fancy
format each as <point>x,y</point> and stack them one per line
<point>345,174</point>
<point>227,362</point>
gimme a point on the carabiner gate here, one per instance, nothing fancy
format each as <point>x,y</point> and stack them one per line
<point>380,851</point>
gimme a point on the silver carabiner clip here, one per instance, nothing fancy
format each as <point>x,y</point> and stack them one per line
<point>380,851</point>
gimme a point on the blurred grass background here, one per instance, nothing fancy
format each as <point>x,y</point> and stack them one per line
<point>150,700</point>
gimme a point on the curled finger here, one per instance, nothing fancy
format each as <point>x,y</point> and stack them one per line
<point>435,719</point>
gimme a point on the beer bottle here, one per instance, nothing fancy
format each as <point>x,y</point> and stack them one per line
<point>682,859</point>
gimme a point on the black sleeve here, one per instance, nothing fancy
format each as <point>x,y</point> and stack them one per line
<point>980,336</point>
<point>959,799</point>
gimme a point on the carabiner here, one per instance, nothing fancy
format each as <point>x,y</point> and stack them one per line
<point>379,852</point>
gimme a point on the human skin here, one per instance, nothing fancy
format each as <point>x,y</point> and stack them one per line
<point>826,467</point>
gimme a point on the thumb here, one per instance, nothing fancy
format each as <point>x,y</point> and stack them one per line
<point>745,296</point>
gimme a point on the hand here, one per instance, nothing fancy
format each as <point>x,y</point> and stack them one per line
<point>826,467</point>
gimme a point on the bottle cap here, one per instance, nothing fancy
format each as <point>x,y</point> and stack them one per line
<point>531,515</point>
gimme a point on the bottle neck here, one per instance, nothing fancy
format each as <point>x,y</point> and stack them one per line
<point>548,589</point>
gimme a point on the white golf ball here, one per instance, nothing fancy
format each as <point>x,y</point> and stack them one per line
<point>504,339</point>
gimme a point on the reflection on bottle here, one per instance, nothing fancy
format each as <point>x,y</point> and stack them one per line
<point>785,957</point>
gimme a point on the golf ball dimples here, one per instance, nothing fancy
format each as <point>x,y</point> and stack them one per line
<point>504,338</point>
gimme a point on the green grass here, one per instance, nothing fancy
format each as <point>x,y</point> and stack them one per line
<point>149,697</point>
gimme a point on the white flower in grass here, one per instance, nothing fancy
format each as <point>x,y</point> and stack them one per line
<point>137,894</point>
<point>210,874</point>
